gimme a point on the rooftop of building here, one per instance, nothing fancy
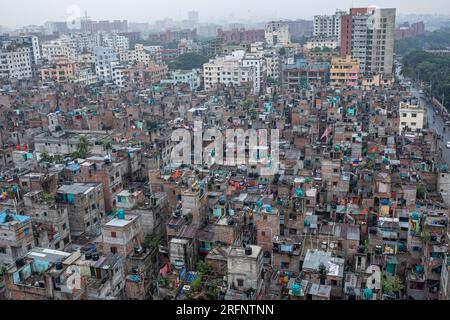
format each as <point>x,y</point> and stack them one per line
<point>240,252</point>
<point>78,188</point>
<point>7,217</point>
<point>120,223</point>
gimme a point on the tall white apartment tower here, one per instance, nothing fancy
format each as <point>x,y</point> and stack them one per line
<point>328,25</point>
<point>105,60</point>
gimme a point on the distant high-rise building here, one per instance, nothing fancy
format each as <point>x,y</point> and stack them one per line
<point>30,41</point>
<point>193,17</point>
<point>240,36</point>
<point>88,25</point>
<point>277,33</point>
<point>407,30</point>
<point>56,27</point>
<point>300,28</point>
<point>15,62</point>
<point>367,34</point>
<point>328,25</point>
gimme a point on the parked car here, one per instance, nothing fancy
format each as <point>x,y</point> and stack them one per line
<point>448,144</point>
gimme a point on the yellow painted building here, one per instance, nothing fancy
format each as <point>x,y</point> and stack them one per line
<point>344,71</point>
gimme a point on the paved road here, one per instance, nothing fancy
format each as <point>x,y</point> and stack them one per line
<point>435,121</point>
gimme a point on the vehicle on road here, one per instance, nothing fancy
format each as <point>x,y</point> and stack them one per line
<point>448,145</point>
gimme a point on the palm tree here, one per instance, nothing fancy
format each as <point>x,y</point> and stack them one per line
<point>82,147</point>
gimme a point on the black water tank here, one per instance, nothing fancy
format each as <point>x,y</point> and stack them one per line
<point>59,266</point>
<point>248,251</point>
<point>95,257</point>
<point>20,263</point>
<point>88,256</point>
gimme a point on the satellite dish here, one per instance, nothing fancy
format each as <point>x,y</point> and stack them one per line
<point>332,245</point>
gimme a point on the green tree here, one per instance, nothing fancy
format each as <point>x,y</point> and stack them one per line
<point>151,242</point>
<point>196,285</point>
<point>212,293</point>
<point>48,197</point>
<point>45,157</point>
<point>392,284</point>
<point>82,148</point>
<point>421,192</point>
<point>432,70</point>
<point>203,268</point>
<point>58,159</point>
<point>189,61</point>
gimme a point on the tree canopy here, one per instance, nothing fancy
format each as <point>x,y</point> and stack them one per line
<point>433,70</point>
<point>429,40</point>
<point>189,61</point>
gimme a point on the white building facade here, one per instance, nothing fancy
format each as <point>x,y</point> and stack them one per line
<point>15,62</point>
<point>188,77</point>
<point>412,117</point>
<point>230,70</point>
<point>328,25</point>
<point>105,59</point>
<point>277,33</point>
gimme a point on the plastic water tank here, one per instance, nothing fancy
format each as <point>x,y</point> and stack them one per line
<point>121,214</point>
<point>296,289</point>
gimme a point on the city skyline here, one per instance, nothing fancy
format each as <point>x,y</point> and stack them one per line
<point>13,15</point>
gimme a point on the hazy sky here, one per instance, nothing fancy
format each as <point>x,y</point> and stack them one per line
<point>24,12</point>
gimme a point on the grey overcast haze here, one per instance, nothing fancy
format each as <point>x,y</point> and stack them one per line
<point>25,12</point>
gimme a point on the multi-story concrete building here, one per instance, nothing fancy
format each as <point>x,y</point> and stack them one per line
<point>302,73</point>
<point>50,220</point>
<point>245,267</point>
<point>122,235</point>
<point>115,42</point>
<point>344,71</point>
<point>367,34</point>
<point>143,75</point>
<point>47,274</point>
<point>16,237</point>
<point>273,65</point>
<point>188,77</point>
<point>99,170</point>
<point>60,72</point>
<point>277,33</point>
<point>54,50</point>
<point>412,118</point>
<point>85,205</point>
<point>328,25</point>
<point>24,40</point>
<point>119,75</point>
<point>300,28</point>
<point>138,55</point>
<point>321,43</point>
<point>229,70</point>
<point>105,59</point>
<point>240,36</point>
<point>253,60</point>
<point>181,253</point>
<point>15,62</point>
<point>407,30</point>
